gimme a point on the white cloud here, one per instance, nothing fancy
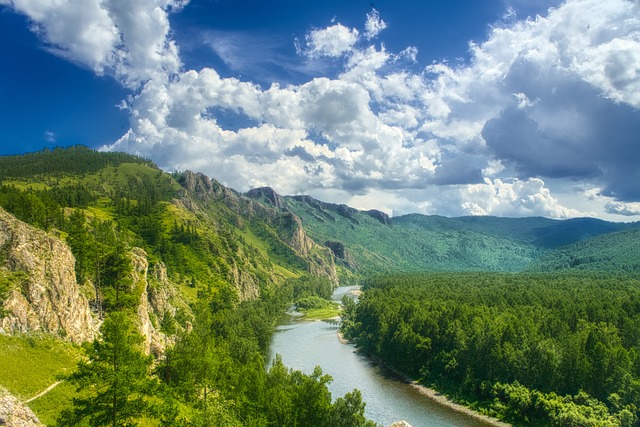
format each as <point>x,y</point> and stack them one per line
<point>334,41</point>
<point>374,25</point>
<point>79,30</point>
<point>626,209</point>
<point>129,38</point>
<point>50,137</point>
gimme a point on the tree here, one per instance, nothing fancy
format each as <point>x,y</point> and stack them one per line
<point>348,411</point>
<point>114,378</point>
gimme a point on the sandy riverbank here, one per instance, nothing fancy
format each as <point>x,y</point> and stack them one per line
<point>440,399</point>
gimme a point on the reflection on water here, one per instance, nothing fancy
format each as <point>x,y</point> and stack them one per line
<point>304,345</point>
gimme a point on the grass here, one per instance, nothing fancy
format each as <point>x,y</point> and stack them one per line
<point>322,313</point>
<point>49,406</point>
<point>32,363</point>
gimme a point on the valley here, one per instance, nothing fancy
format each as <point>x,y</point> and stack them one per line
<point>103,255</point>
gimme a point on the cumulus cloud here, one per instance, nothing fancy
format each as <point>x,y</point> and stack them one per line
<point>626,209</point>
<point>127,38</point>
<point>540,98</point>
<point>374,24</point>
<point>333,41</point>
<point>550,98</point>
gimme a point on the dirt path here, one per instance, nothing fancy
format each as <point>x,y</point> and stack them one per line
<point>42,393</point>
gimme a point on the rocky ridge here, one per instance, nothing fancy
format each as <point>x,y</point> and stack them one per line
<point>49,299</point>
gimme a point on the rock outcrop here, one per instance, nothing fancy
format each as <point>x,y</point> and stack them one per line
<point>266,205</point>
<point>15,414</point>
<point>48,299</point>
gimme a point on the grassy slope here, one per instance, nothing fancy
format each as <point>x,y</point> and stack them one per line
<point>32,363</point>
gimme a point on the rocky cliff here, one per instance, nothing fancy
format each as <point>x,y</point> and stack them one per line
<point>15,414</point>
<point>266,205</point>
<point>48,299</point>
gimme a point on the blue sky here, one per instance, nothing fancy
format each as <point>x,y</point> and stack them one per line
<point>505,107</point>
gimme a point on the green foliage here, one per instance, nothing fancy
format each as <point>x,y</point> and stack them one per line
<point>611,252</point>
<point>305,286</point>
<point>433,243</point>
<point>106,206</point>
<point>114,377</point>
<point>308,303</point>
<point>548,334</point>
<point>30,363</point>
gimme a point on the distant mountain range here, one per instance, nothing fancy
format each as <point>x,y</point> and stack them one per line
<point>371,242</point>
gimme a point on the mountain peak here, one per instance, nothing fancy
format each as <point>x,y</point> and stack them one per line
<point>268,195</point>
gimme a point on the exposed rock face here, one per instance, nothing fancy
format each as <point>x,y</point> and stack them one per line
<point>267,194</point>
<point>153,302</point>
<point>50,300</point>
<point>380,216</point>
<point>319,260</point>
<point>340,252</point>
<point>400,424</point>
<point>15,414</point>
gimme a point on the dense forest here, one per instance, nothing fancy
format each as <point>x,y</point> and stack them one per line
<point>534,349</point>
<point>110,208</point>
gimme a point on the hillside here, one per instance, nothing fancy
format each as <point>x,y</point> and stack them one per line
<point>367,242</point>
<point>107,250</point>
<point>190,277</point>
<point>618,252</point>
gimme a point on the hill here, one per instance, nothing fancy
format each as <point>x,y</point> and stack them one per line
<point>367,242</point>
<point>99,246</point>
<point>619,252</point>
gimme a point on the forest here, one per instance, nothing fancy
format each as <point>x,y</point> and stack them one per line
<point>533,349</point>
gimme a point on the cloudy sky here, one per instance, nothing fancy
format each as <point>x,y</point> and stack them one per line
<point>467,107</point>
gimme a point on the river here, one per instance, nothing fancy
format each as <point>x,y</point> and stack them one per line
<point>304,345</point>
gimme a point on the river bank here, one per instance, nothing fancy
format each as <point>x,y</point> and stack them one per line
<point>441,399</point>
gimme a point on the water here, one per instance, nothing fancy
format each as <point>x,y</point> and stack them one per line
<point>304,345</point>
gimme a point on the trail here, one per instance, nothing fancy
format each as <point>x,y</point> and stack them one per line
<point>42,393</point>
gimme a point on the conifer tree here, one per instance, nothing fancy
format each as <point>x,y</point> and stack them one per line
<point>113,379</point>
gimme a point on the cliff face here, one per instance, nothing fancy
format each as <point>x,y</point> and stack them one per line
<point>266,205</point>
<point>15,414</point>
<point>48,299</point>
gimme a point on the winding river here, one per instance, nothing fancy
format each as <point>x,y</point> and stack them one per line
<point>306,344</point>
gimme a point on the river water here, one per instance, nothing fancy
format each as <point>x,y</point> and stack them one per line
<point>304,345</point>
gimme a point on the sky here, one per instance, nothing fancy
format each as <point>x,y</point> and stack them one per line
<point>468,107</point>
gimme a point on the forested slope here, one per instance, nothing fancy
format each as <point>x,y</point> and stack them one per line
<point>610,252</point>
<point>371,242</point>
<point>206,268</point>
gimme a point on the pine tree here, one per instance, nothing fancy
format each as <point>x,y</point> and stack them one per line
<point>114,378</point>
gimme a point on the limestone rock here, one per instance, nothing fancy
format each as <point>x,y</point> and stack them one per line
<point>15,414</point>
<point>400,424</point>
<point>50,299</point>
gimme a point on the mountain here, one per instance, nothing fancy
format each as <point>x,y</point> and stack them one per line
<point>619,252</point>
<point>201,273</point>
<point>366,242</point>
<point>68,214</point>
